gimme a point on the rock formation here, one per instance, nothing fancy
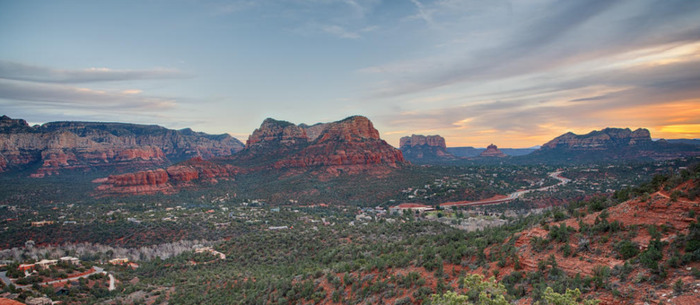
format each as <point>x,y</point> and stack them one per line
<point>352,141</point>
<point>344,146</point>
<point>421,140</point>
<point>61,146</point>
<point>423,149</point>
<point>166,180</point>
<point>610,144</point>
<point>599,140</point>
<point>492,151</point>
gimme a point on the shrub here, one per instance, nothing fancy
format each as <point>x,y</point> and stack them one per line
<point>627,249</point>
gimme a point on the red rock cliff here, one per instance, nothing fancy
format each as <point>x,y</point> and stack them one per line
<point>352,141</point>
<point>61,146</point>
<point>167,180</point>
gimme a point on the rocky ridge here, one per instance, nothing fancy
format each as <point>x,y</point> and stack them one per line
<point>351,145</point>
<point>166,180</point>
<point>599,140</point>
<point>59,146</point>
<point>611,144</point>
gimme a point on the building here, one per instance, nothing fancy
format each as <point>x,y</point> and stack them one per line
<point>46,263</point>
<point>119,261</point>
<point>410,207</point>
<point>70,260</point>
<point>210,250</point>
<point>42,223</point>
<point>26,267</point>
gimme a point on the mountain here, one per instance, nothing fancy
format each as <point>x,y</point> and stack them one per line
<point>421,149</point>
<point>53,147</point>
<point>492,151</point>
<point>348,146</point>
<point>683,141</point>
<point>349,142</point>
<point>610,144</point>
<point>468,151</point>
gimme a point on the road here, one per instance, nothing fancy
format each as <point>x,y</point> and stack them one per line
<point>111,282</point>
<point>511,196</point>
<point>8,282</point>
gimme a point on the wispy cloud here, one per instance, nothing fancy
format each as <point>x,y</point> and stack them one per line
<point>567,33</point>
<point>24,72</point>
<point>650,96</point>
<point>68,97</point>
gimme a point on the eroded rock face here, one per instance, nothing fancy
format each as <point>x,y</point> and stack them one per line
<point>424,149</point>
<point>421,140</point>
<point>349,146</point>
<point>166,180</point>
<point>352,141</point>
<point>599,140</point>
<point>61,146</point>
<point>277,132</point>
<point>492,151</point>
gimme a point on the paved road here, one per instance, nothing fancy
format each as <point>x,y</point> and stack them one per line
<point>7,281</point>
<point>511,196</point>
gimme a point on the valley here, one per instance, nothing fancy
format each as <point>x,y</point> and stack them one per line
<point>332,214</point>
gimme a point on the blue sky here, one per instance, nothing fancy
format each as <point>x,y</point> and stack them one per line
<point>514,73</point>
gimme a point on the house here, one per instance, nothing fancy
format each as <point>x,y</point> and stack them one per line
<point>46,263</point>
<point>210,250</point>
<point>70,260</point>
<point>26,267</point>
<point>42,223</point>
<point>119,261</point>
<point>410,207</point>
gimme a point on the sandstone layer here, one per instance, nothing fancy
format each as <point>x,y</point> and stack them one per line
<point>348,146</point>
<point>422,149</point>
<point>57,146</point>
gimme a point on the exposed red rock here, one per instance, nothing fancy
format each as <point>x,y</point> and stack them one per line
<point>492,151</point>
<point>166,180</point>
<point>278,132</point>
<point>349,146</point>
<point>420,148</point>
<point>352,141</point>
<point>635,216</point>
<point>61,146</point>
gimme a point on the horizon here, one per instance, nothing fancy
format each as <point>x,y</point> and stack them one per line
<point>243,139</point>
<point>511,73</point>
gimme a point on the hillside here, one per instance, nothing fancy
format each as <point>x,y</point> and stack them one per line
<point>613,249</point>
<point>54,147</point>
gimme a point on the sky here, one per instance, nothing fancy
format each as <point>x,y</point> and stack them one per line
<point>513,73</point>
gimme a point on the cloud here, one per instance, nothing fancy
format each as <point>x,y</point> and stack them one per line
<point>68,98</point>
<point>556,36</point>
<point>24,72</point>
<point>650,96</point>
